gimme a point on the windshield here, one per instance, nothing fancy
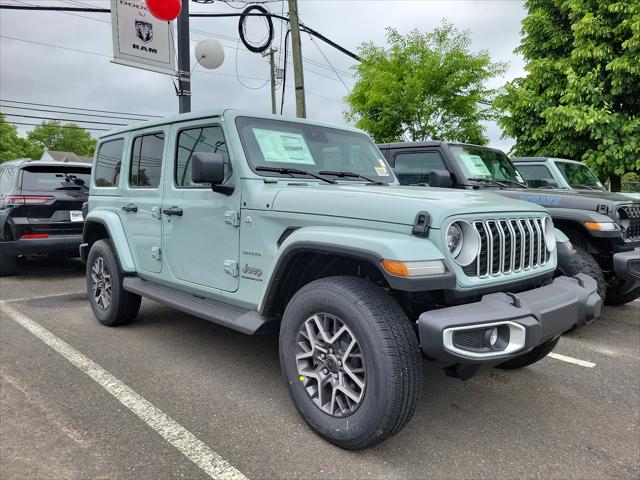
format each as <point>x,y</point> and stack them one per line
<point>579,176</point>
<point>56,178</point>
<point>279,144</point>
<point>479,163</point>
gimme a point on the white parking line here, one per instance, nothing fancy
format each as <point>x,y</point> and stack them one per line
<point>575,361</point>
<point>174,433</point>
<point>40,297</point>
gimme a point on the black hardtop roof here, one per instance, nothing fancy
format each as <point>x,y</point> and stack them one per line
<point>530,159</point>
<point>433,143</point>
<point>27,162</point>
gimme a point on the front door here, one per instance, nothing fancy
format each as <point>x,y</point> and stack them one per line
<point>142,198</point>
<point>201,231</point>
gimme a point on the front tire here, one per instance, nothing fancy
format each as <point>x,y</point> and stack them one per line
<point>529,358</point>
<point>583,262</point>
<point>351,361</point>
<point>111,304</point>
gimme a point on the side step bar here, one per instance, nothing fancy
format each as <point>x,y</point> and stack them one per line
<point>243,320</point>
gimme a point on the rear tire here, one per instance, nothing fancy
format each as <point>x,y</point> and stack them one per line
<point>583,262</point>
<point>111,304</point>
<point>385,355</point>
<point>529,358</point>
<point>615,298</point>
<point>7,265</point>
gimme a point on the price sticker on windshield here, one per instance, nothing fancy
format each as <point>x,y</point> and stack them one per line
<point>475,165</point>
<point>283,147</point>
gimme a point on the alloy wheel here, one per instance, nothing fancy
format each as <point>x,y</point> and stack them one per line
<point>101,284</point>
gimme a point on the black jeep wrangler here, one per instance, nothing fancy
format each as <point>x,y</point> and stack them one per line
<point>603,227</point>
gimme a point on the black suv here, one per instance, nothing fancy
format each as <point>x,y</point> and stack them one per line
<point>41,209</point>
<point>604,227</point>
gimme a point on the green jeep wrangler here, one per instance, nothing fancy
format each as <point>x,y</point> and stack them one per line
<point>257,222</point>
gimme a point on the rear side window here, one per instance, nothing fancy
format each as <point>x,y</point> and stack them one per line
<point>7,180</point>
<point>146,161</point>
<point>413,168</point>
<point>201,139</point>
<point>50,179</point>
<point>108,163</point>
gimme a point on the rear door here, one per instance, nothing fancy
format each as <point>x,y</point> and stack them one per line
<point>54,196</point>
<point>142,197</point>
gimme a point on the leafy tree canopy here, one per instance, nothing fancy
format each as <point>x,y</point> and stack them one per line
<point>11,145</point>
<point>581,96</point>
<point>67,138</point>
<point>423,86</point>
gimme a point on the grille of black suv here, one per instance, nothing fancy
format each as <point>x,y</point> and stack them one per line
<point>632,213</point>
<point>509,245</point>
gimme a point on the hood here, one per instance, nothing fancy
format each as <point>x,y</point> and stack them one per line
<point>590,200</point>
<point>393,204</point>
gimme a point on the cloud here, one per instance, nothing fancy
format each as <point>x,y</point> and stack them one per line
<point>43,74</point>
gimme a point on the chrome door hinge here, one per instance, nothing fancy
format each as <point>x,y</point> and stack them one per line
<point>156,252</point>
<point>156,213</point>
<point>232,268</point>
<point>232,217</point>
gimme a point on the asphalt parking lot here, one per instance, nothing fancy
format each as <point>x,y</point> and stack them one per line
<point>575,415</point>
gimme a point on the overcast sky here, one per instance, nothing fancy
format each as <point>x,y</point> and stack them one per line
<point>44,74</point>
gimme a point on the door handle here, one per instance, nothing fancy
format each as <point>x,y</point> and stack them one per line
<point>172,211</point>
<point>131,208</point>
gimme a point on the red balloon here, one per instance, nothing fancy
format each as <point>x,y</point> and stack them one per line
<point>166,10</point>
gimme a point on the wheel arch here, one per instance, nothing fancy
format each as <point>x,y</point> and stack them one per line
<point>107,225</point>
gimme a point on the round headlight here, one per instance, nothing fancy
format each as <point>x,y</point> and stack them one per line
<point>463,242</point>
<point>454,239</point>
<point>549,234</point>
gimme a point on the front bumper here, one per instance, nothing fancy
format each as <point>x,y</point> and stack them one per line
<point>460,335</point>
<point>33,246</point>
<point>627,268</point>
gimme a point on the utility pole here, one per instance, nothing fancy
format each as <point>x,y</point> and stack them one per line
<point>272,69</point>
<point>184,64</point>
<point>301,110</point>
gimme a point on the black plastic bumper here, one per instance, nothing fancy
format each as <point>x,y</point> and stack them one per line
<point>32,246</point>
<point>531,318</point>
<point>626,265</point>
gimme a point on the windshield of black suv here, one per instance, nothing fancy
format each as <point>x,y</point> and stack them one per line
<point>280,145</point>
<point>579,176</point>
<point>49,179</point>
<point>482,165</point>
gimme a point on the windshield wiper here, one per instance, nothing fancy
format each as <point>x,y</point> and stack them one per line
<point>292,172</point>
<point>522,185</point>
<point>342,174</point>
<point>488,180</point>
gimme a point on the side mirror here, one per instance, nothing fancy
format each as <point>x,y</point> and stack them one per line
<point>209,168</point>
<point>440,179</point>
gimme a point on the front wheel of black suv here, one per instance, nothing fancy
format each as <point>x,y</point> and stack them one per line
<point>111,303</point>
<point>583,262</point>
<point>351,361</point>
<point>529,358</point>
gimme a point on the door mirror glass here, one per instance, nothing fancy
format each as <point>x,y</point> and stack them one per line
<point>208,168</point>
<point>440,179</point>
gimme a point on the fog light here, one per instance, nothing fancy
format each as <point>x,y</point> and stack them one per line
<point>493,336</point>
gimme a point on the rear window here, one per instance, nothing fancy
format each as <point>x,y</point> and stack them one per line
<point>50,179</point>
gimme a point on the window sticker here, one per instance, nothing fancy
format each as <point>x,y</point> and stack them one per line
<point>475,165</point>
<point>283,147</point>
<point>381,171</point>
<point>519,177</point>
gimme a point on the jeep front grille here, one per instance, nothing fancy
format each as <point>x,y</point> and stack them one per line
<point>632,231</point>
<point>509,245</point>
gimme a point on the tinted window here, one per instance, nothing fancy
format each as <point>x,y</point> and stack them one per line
<point>204,139</point>
<point>49,179</point>
<point>579,176</point>
<point>146,161</point>
<point>7,176</point>
<point>537,176</point>
<point>412,168</point>
<point>108,163</point>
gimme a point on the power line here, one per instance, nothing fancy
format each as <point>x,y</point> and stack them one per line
<point>61,119</point>
<point>79,108</point>
<point>60,126</point>
<point>74,113</point>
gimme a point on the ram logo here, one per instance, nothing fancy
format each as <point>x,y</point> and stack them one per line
<point>144,31</point>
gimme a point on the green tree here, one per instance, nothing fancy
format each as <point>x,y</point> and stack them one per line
<point>424,85</point>
<point>67,138</point>
<point>581,96</point>
<point>13,146</point>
